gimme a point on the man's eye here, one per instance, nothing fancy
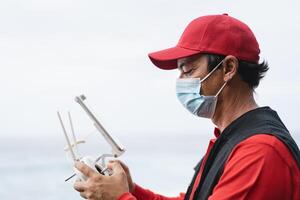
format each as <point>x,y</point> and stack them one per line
<point>188,73</point>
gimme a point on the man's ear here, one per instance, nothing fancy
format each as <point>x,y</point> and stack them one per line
<point>230,67</point>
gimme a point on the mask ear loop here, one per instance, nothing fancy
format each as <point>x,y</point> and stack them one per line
<point>214,69</point>
<point>220,90</point>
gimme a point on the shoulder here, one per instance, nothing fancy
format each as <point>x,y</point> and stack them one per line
<point>258,168</point>
<point>265,147</point>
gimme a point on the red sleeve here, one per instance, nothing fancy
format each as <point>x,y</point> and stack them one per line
<point>140,193</point>
<point>127,196</point>
<point>254,171</point>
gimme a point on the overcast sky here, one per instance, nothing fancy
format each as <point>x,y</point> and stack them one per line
<point>52,51</point>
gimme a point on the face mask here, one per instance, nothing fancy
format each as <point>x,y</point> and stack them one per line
<point>188,93</point>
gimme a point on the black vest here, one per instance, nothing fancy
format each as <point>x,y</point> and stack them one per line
<point>261,120</point>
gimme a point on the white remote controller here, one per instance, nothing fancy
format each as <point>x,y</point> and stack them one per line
<point>116,148</point>
<point>90,161</point>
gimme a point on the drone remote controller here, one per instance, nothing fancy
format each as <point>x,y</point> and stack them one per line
<point>116,148</point>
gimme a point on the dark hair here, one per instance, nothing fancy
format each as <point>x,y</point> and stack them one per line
<point>251,73</point>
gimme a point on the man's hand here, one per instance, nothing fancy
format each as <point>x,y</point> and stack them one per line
<point>131,184</point>
<point>98,186</point>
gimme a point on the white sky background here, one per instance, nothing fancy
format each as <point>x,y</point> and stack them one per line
<point>51,51</point>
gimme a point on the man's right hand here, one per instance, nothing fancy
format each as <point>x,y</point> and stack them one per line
<point>131,184</point>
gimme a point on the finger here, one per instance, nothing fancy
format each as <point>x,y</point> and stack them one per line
<point>112,161</point>
<point>117,168</point>
<point>82,194</point>
<point>123,165</point>
<point>80,186</point>
<point>86,170</point>
<point>110,164</point>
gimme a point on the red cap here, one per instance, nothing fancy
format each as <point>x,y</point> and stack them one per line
<point>214,34</point>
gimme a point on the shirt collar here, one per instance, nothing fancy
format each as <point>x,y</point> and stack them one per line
<point>217,132</point>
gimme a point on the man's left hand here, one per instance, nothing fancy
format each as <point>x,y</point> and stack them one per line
<point>100,187</point>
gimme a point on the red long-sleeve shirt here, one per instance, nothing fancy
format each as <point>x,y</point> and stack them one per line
<point>260,167</point>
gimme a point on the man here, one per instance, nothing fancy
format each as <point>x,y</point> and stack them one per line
<point>253,155</point>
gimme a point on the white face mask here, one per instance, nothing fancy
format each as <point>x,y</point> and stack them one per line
<point>188,93</point>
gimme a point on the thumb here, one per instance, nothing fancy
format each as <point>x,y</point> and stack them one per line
<point>110,164</point>
<point>116,168</point>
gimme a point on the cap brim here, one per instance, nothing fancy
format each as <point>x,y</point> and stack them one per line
<point>167,59</point>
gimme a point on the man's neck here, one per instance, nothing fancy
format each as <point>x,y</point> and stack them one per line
<point>233,107</point>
